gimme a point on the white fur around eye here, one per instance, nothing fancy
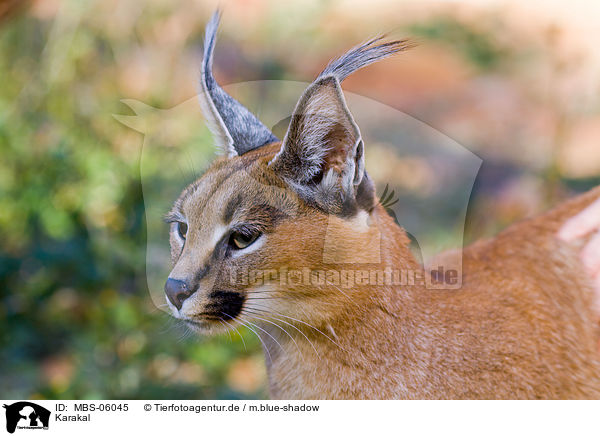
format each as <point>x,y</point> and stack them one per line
<point>218,233</point>
<point>250,248</point>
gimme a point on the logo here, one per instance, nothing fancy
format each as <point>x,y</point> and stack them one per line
<point>26,415</point>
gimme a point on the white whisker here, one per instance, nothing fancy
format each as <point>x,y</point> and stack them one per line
<point>295,328</point>
<point>235,329</point>
<point>343,293</point>
<point>253,331</point>
<point>278,326</point>
<point>228,332</point>
<point>305,323</point>
<point>268,334</point>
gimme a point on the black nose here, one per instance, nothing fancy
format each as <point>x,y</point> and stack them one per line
<point>177,292</point>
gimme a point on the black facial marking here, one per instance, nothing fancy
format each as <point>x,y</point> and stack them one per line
<point>231,207</point>
<point>200,274</point>
<point>225,303</point>
<point>221,248</point>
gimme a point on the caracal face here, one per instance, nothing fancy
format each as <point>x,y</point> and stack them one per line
<point>269,207</point>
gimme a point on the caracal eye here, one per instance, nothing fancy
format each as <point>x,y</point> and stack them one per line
<point>182,229</point>
<point>240,240</point>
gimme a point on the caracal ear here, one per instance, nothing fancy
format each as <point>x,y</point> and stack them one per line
<point>323,145</point>
<point>322,154</point>
<point>235,128</point>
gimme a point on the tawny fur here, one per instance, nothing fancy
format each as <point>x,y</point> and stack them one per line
<point>521,326</point>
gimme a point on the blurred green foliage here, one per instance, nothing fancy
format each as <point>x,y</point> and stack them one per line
<point>76,320</point>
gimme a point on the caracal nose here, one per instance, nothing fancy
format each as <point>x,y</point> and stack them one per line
<point>177,292</point>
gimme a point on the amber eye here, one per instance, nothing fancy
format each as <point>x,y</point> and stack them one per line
<point>240,240</point>
<point>182,229</point>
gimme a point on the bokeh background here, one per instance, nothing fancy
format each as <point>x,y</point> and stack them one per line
<point>517,83</point>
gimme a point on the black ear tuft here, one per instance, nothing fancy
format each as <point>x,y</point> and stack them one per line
<point>365,54</point>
